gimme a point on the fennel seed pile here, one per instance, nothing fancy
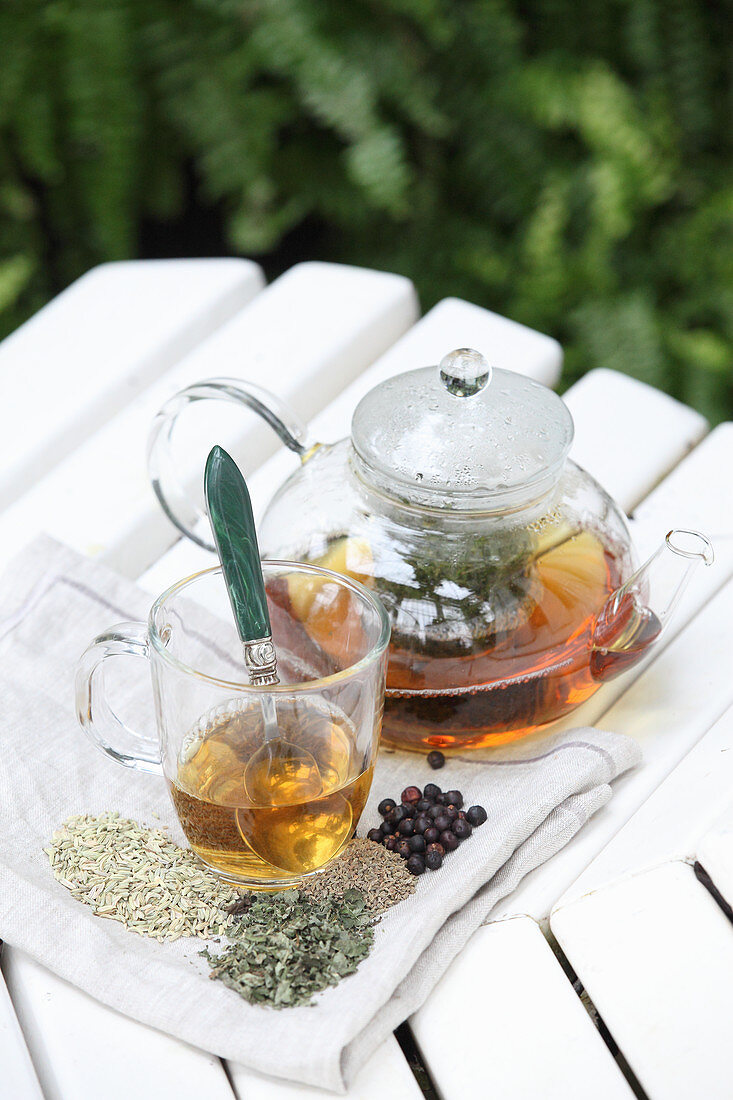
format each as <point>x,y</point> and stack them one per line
<point>140,877</point>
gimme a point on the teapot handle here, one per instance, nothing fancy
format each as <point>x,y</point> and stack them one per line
<point>174,500</point>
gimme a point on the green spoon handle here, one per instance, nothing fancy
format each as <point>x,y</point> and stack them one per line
<point>233,526</point>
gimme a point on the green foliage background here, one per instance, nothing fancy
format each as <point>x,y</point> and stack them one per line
<point>564,163</point>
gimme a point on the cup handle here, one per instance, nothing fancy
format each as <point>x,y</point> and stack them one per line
<point>93,710</point>
<point>174,500</point>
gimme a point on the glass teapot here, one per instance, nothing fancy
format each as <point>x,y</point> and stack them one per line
<point>507,571</point>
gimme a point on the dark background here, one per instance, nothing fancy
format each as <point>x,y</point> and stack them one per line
<point>563,163</point>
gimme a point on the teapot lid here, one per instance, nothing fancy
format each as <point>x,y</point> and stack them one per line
<point>463,435</point>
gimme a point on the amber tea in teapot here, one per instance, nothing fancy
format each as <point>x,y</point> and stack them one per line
<point>492,690</point>
<point>494,681</point>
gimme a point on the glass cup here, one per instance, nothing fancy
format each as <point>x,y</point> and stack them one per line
<point>261,813</point>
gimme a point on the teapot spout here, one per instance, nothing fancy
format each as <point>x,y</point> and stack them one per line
<point>635,615</point>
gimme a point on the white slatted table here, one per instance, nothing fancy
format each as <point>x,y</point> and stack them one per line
<point>646,938</point>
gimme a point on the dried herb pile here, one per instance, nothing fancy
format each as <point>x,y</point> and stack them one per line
<point>381,876</point>
<point>287,947</point>
<point>139,877</point>
<point>283,948</point>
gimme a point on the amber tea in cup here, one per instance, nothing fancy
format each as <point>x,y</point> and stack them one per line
<point>296,819</point>
<point>256,826</point>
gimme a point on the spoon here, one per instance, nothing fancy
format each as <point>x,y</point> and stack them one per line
<point>279,772</point>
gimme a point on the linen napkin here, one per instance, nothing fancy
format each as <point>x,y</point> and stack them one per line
<point>538,793</point>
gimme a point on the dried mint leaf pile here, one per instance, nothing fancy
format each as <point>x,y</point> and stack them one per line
<point>287,947</point>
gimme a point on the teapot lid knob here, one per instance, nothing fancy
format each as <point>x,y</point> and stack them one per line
<point>465,372</point>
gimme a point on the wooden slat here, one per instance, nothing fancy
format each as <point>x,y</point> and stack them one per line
<point>672,822</point>
<point>93,348</point>
<point>77,1042</point>
<point>505,1022</point>
<point>655,954</point>
<point>696,493</point>
<point>307,335</point>
<point>386,1076</point>
<point>629,435</point>
<point>451,323</point>
<point>81,1048</point>
<point>18,1079</point>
